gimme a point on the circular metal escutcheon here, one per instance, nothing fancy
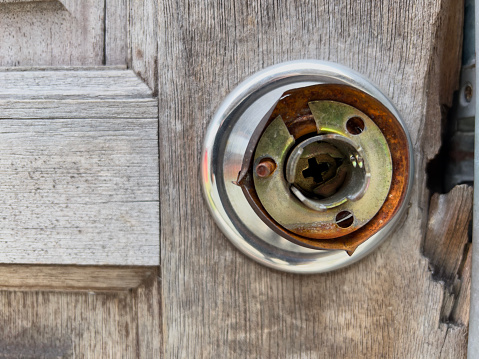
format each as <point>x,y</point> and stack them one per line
<point>283,91</point>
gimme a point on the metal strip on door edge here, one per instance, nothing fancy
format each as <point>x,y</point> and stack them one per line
<point>473,341</point>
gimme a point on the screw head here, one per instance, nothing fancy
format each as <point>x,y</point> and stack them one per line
<point>468,92</point>
<point>244,223</point>
<point>265,167</point>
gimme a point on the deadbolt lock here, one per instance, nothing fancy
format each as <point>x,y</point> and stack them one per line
<point>326,167</point>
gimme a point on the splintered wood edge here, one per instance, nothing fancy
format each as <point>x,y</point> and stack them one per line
<point>448,251</point>
<point>73,278</point>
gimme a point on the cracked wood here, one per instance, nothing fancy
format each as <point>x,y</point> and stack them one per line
<point>217,302</point>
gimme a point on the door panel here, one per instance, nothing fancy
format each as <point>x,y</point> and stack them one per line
<point>212,301</point>
<point>80,164</point>
<point>217,302</point>
<point>80,171</point>
<point>51,33</point>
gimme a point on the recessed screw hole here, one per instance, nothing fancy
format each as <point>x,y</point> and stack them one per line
<point>355,125</point>
<point>344,219</point>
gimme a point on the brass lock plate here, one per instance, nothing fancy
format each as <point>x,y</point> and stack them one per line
<point>307,167</point>
<point>324,175</point>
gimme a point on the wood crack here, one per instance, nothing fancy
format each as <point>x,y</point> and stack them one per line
<point>445,243</point>
<point>448,250</point>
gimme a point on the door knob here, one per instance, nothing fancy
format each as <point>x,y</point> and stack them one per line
<point>307,166</point>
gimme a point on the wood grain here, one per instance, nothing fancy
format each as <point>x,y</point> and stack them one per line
<point>80,116</point>
<point>212,301</point>
<point>143,48</point>
<point>449,253</point>
<point>70,84</point>
<point>72,325</point>
<point>76,109</point>
<point>116,32</point>
<point>76,196</point>
<point>73,278</point>
<point>17,1</point>
<point>66,32</point>
<point>51,33</point>
<point>78,189</point>
<point>218,303</point>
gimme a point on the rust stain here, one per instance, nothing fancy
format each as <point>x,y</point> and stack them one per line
<point>294,110</point>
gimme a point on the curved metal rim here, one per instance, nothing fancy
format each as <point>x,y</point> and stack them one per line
<point>225,117</point>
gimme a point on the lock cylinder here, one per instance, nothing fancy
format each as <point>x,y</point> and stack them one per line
<point>307,166</point>
<point>321,168</point>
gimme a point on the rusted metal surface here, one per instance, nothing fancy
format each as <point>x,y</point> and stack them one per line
<point>289,195</point>
<point>265,168</point>
<point>320,159</point>
<point>295,113</point>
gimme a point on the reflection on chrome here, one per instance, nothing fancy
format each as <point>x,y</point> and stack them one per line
<point>225,143</point>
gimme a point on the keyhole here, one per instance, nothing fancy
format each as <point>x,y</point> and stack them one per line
<point>315,170</point>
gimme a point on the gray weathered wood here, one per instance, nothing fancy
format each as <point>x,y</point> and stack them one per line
<point>116,32</point>
<point>97,92</point>
<point>85,325</point>
<point>63,32</point>
<point>73,278</point>
<point>82,191</point>
<point>449,253</point>
<point>70,84</point>
<point>81,188</point>
<point>70,109</point>
<point>216,302</point>
<point>143,48</point>
<point>17,1</point>
<point>51,33</point>
<point>112,119</point>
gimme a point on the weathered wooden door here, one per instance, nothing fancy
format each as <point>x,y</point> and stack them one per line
<point>107,246</point>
